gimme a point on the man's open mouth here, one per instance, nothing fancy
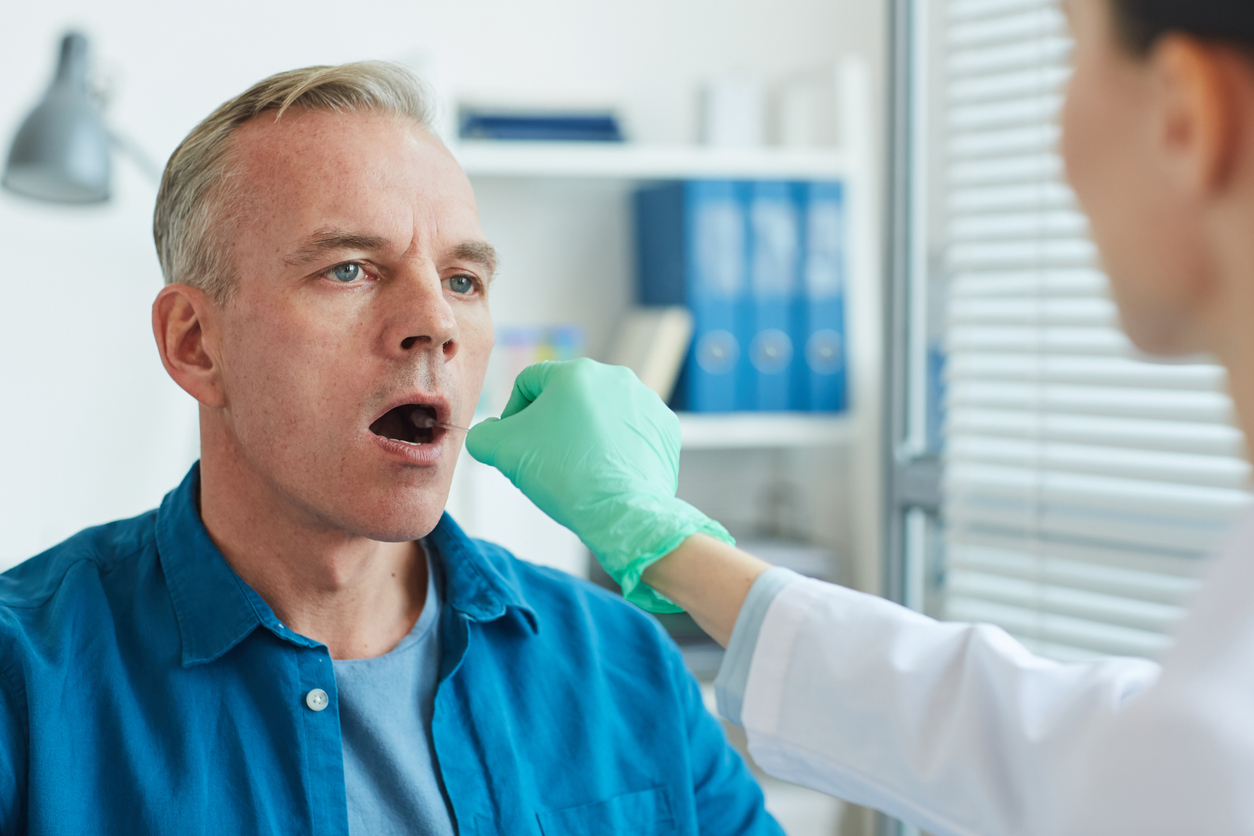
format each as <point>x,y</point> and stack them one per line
<point>412,423</point>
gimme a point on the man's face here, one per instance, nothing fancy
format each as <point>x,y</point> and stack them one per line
<point>362,293</point>
<point>1145,225</point>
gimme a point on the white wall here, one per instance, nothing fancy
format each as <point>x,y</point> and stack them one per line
<point>90,427</point>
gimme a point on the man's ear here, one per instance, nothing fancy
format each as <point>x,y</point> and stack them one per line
<point>185,324</point>
<point>1199,123</point>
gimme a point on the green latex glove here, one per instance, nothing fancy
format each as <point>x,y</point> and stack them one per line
<point>599,453</point>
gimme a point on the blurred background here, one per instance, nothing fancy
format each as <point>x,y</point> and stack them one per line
<point>834,235</point>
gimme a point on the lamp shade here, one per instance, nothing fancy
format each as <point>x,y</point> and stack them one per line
<point>61,152</point>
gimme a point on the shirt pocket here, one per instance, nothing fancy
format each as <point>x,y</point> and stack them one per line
<point>645,813</point>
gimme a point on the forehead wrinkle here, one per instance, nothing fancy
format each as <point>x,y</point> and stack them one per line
<point>471,249</point>
<point>415,235</point>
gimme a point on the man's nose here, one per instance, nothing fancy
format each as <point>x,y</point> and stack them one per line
<point>420,317</point>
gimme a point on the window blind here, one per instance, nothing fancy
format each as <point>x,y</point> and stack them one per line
<point>1084,486</point>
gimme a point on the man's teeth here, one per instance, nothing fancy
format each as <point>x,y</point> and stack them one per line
<point>411,443</point>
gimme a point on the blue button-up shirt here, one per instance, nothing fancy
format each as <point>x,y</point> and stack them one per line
<point>145,688</point>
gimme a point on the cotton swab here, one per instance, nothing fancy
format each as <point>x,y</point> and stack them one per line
<point>423,421</point>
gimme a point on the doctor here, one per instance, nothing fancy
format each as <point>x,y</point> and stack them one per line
<point>953,727</point>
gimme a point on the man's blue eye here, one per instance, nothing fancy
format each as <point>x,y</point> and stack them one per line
<point>461,284</point>
<point>346,272</point>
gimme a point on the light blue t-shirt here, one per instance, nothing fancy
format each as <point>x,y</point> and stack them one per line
<point>390,774</point>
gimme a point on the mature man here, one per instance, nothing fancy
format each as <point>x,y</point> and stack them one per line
<point>298,640</point>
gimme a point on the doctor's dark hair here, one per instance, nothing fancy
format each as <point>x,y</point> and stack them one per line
<point>1140,23</point>
<point>192,222</point>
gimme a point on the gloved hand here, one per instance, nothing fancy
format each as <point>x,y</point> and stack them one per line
<point>599,453</point>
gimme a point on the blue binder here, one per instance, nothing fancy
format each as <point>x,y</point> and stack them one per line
<point>690,245</point>
<point>822,377</point>
<point>774,288</point>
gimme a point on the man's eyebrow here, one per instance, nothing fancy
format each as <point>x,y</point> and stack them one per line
<point>332,240</point>
<point>480,252</point>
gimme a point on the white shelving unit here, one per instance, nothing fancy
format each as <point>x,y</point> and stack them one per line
<point>561,212</point>
<point>763,430</point>
<point>630,161</point>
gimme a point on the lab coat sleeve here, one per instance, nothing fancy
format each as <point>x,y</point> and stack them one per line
<point>955,728</point>
<point>733,673</point>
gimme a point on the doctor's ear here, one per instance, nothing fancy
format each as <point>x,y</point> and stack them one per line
<point>185,325</point>
<point>1203,90</point>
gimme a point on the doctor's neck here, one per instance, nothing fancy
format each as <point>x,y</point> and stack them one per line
<point>1216,313</point>
<point>1219,296</point>
<point>1158,136</point>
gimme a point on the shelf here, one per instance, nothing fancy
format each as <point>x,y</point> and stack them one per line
<point>628,161</point>
<point>762,430</point>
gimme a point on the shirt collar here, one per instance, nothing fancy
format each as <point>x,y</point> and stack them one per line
<point>480,580</point>
<point>216,609</point>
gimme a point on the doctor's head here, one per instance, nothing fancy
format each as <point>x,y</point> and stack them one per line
<point>327,284</point>
<point>1158,137</point>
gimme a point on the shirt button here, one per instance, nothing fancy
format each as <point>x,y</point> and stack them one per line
<point>317,699</point>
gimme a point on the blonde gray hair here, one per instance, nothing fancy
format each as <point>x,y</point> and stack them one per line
<point>199,182</point>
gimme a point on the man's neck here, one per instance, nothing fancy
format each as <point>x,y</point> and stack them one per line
<point>357,596</point>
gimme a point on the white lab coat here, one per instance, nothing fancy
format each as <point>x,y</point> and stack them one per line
<point>960,730</point>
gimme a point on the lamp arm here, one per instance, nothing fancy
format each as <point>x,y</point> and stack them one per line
<point>130,148</point>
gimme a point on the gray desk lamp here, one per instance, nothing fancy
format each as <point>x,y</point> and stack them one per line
<point>61,152</point>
